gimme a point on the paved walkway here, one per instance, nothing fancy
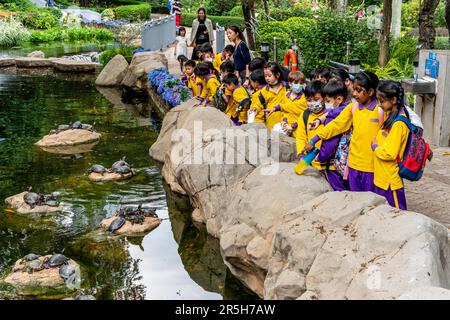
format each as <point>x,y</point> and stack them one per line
<point>431,194</point>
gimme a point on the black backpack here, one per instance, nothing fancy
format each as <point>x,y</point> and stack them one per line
<point>218,101</point>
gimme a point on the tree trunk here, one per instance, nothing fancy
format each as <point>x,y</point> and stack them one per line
<point>248,8</point>
<point>427,33</point>
<point>385,33</point>
<point>396,18</point>
<point>266,8</point>
<point>447,17</point>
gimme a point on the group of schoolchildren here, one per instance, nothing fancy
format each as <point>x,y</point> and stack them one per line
<point>334,113</point>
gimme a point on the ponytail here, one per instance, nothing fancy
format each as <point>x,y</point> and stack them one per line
<point>390,89</point>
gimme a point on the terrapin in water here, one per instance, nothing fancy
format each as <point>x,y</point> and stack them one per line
<point>116,224</point>
<point>34,265</point>
<point>50,199</point>
<point>76,125</point>
<point>148,212</point>
<point>56,260</point>
<point>87,127</point>
<point>121,167</point>
<point>32,198</point>
<point>97,168</point>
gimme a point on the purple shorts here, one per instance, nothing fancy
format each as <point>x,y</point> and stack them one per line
<point>335,180</point>
<point>360,180</point>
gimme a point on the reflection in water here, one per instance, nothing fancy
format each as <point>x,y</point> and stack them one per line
<point>175,261</point>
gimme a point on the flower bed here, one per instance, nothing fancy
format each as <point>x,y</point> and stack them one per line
<point>168,86</point>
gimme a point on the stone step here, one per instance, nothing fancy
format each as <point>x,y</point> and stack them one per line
<point>65,65</point>
<point>29,62</point>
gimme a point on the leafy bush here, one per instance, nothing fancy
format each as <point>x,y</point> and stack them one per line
<point>17,5</point>
<point>283,14</point>
<point>72,34</point>
<point>236,11</point>
<point>442,43</point>
<point>224,21</point>
<point>38,18</point>
<point>323,39</point>
<point>108,13</point>
<point>12,33</point>
<point>108,54</point>
<point>133,12</point>
<point>160,9</point>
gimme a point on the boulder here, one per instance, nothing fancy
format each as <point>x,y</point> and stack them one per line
<point>66,65</point>
<point>7,62</point>
<point>142,63</point>
<point>71,137</point>
<point>33,63</point>
<point>17,203</point>
<point>346,245</point>
<point>130,229</point>
<point>108,176</point>
<point>113,73</point>
<point>36,54</point>
<point>46,282</point>
<point>252,210</point>
<point>66,150</point>
<point>426,293</point>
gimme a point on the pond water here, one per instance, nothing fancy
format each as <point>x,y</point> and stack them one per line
<point>177,260</point>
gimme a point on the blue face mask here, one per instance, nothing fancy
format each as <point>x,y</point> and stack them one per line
<point>297,88</point>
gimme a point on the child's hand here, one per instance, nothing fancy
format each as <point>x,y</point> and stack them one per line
<point>308,148</point>
<point>287,128</point>
<point>314,124</point>
<point>430,155</point>
<point>269,111</point>
<point>254,110</point>
<point>374,141</point>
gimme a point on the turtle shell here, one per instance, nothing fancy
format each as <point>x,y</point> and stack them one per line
<point>57,260</point>
<point>116,224</point>
<point>31,257</point>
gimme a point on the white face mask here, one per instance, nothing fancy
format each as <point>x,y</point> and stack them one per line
<point>297,88</point>
<point>329,106</point>
<point>315,106</point>
<point>209,59</point>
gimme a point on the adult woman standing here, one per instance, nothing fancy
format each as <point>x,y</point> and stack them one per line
<point>241,55</point>
<point>202,31</point>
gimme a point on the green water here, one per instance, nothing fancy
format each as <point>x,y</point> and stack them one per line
<point>177,260</point>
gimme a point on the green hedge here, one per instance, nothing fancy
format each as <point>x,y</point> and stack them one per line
<point>72,35</point>
<point>224,21</point>
<point>133,12</point>
<point>322,39</point>
<point>39,18</point>
<point>160,9</point>
<point>108,54</point>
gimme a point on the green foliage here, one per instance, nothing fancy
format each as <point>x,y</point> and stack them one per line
<point>439,15</point>
<point>236,11</point>
<point>410,14</point>
<point>16,5</point>
<point>282,14</point>
<point>38,18</point>
<point>219,8</point>
<point>12,33</point>
<point>322,39</point>
<point>442,43</point>
<point>225,21</point>
<point>133,12</point>
<point>108,54</point>
<point>72,35</point>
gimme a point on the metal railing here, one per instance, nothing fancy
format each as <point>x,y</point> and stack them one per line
<point>158,34</point>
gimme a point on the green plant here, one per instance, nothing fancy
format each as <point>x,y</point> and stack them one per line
<point>442,43</point>
<point>133,12</point>
<point>236,11</point>
<point>108,13</point>
<point>108,54</point>
<point>38,18</point>
<point>73,34</point>
<point>17,5</point>
<point>53,34</point>
<point>12,33</point>
<point>225,21</point>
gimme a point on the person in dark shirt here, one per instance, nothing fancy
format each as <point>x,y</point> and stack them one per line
<point>241,54</point>
<point>176,9</point>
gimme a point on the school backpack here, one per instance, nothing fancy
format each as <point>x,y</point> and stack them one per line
<point>218,101</point>
<point>343,150</point>
<point>416,152</point>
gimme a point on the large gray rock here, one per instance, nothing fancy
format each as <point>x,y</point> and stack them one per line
<point>353,246</point>
<point>7,62</point>
<point>33,62</point>
<point>113,73</point>
<point>66,65</point>
<point>426,293</point>
<point>142,63</point>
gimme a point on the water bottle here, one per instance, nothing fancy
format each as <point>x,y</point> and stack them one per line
<point>306,161</point>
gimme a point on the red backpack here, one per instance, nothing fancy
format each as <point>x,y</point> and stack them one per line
<point>416,152</point>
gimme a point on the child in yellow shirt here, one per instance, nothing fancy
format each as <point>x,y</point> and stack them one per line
<point>220,57</point>
<point>365,118</point>
<point>205,73</point>
<point>294,103</point>
<point>190,80</point>
<point>240,99</point>
<point>271,95</point>
<point>389,144</point>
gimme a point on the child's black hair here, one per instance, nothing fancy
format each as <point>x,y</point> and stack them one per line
<point>389,89</point>
<point>258,76</point>
<point>227,66</point>
<point>274,68</point>
<point>368,80</point>
<point>335,88</point>
<point>313,87</point>
<point>229,48</point>
<point>201,69</point>
<point>206,48</point>
<point>181,29</point>
<point>316,72</point>
<point>211,68</point>
<point>341,74</point>
<point>257,63</point>
<point>190,63</point>
<point>182,59</point>
<point>230,78</point>
<point>325,73</point>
